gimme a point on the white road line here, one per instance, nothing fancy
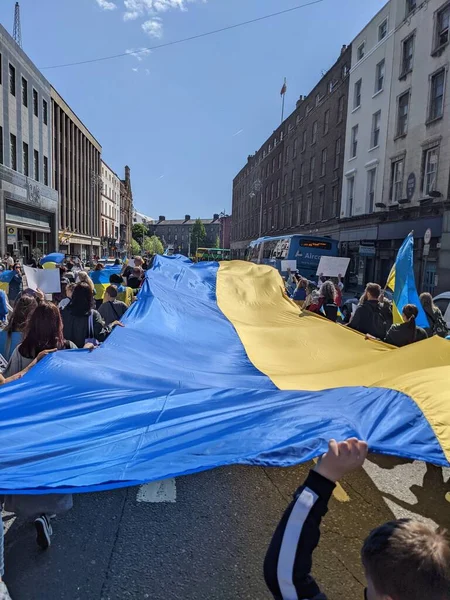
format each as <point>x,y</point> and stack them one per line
<point>158,491</point>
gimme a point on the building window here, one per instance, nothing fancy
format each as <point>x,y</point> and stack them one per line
<point>285,184</point>
<point>309,207</point>
<point>1,69</point>
<point>371,180</point>
<point>294,152</point>
<point>266,195</point>
<point>35,103</point>
<point>293,175</point>
<point>302,175</point>
<point>379,78</point>
<point>323,168</point>
<point>286,155</point>
<point>46,172</point>
<point>321,203</point>
<point>273,165</point>
<point>326,122</point>
<point>304,141</point>
<point>337,153</point>
<point>354,142</point>
<point>280,159</point>
<point>361,51</point>
<point>376,121</point>
<point>397,180</point>
<point>45,112</point>
<point>410,6</point>
<point>26,168</point>
<point>12,80</point>
<point>431,164</point>
<point>402,114</point>
<point>340,114</point>
<point>382,30</point>
<point>278,187</point>
<point>314,133</point>
<point>36,164</point>
<point>312,166</point>
<point>437,95</point>
<point>350,193</point>
<point>407,55</point>
<point>442,27</point>
<point>272,191</point>
<point>357,94</point>
<point>1,145</point>
<point>13,151</point>
<point>299,210</point>
<point>334,200</point>
<point>24,92</point>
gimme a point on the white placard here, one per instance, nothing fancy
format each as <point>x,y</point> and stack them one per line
<point>47,280</point>
<point>354,307</point>
<point>288,264</point>
<point>333,266</point>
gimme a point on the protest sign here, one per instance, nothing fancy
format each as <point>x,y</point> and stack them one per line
<point>333,266</point>
<point>288,264</point>
<point>47,280</point>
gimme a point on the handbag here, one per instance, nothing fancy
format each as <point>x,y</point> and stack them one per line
<point>91,339</point>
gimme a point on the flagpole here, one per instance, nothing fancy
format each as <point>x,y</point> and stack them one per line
<point>283,94</point>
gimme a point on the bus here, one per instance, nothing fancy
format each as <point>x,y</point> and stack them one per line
<point>306,250</point>
<point>213,254</point>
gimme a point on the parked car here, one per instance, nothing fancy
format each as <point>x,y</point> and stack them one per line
<point>442,301</point>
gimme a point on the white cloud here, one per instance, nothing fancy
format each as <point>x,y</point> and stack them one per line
<point>143,8</point>
<point>106,5</point>
<point>138,53</point>
<point>135,69</point>
<point>147,71</point>
<point>153,27</point>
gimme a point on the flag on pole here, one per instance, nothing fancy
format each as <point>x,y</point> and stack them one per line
<point>284,88</point>
<point>402,282</point>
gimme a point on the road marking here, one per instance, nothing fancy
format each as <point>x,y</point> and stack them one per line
<point>158,491</point>
<point>339,493</point>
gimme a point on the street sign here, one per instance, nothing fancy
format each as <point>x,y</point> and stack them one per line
<point>426,250</point>
<point>12,235</point>
<point>367,251</point>
<point>427,236</point>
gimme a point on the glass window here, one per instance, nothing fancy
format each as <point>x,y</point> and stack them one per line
<point>407,55</point>
<point>361,51</point>
<point>382,30</point>
<point>397,180</point>
<point>312,166</point>
<point>334,200</point>
<point>24,92</point>
<point>302,175</point>
<point>371,180</point>
<point>442,26</point>
<point>272,191</point>
<point>278,187</point>
<point>437,95</point>
<point>293,175</point>
<point>273,165</point>
<point>410,6</point>
<point>376,121</point>
<point>323,168</point>
<point>45,112</point>
<point>326,122</point>
<point>350,192</point>
<point>12,80</point>
<point>354,142</point>
<point>379,78</point>
<point>402,114</point>
<point>1,145</point>
<point>35,103</point>
<point>431,164</point>
<point>340,115</point>
<point>304,141</point>
<point>36,164</point>
<point>13,151</point>
<point>357,94</point>
<point>285,184</point>
<point>294,153</point>
<point>46,175</point>
<point>314,133</point>
<point>337,153</point>
<point>25,159</point>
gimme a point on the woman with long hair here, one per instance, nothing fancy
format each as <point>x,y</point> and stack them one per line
<point>438,326</point>
<point>81,321</point>
<point>327,301</point>
<point>407,332</point>
<point>12,334</point>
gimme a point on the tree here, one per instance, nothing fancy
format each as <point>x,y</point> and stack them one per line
<point>135,248</point>
<point>198,234</point>
<point>139,231</point>
<point>153,245</point>
<point>217,242</point>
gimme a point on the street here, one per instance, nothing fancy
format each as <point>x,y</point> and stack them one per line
<point>205,535</point>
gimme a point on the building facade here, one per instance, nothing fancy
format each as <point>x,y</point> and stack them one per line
<point>109,211</point>
<point>292,184</point>
<point>140,218</point>
<point>77,179</point>
<point>126,214</point>
<point>178,233</point>
<point>28,204</point>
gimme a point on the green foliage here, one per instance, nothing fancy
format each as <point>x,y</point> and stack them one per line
<point>139,231</point>
<point>153,245</point>
<point>217,244</point>
<point>198,237</point>
<point>135,248</point>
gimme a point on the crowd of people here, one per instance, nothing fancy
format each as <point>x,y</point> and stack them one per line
<point>372,316</point>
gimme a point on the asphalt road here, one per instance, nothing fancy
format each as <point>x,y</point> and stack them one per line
<point>210,543</point>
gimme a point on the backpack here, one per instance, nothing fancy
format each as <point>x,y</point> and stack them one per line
<point>439,326</point>
<point>379,326</point>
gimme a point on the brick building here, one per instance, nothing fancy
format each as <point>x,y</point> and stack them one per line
<point>126,214</point>
<point>178,233</point>
<point>292,184</point>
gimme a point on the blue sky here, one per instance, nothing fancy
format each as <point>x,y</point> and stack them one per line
<point>184,118</point>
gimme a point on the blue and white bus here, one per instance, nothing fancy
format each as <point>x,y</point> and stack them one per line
<point>306,250</point>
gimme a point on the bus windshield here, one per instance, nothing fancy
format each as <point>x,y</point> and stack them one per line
<point>212,254</point>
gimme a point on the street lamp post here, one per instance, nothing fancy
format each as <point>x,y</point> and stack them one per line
<point>96,182</point>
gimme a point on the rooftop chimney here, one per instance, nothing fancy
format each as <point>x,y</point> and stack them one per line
<point>343,49</point>
<point>187,217</point>
<point>215,216</point>
<point>161,218</point>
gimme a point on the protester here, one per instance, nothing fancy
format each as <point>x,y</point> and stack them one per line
<point>403,560</point>
<point>98,267</point>
<point>15,285</point>
<point>81,321</point>
<point>407,332</point>
<point>65,301</point>
<point>312,297</point>
<point>300,291</point>
<point>134,281</point>
<point>117,262</point>
<point>112,309</point>
<point>437,324</point>
<point>125,293</point>
<point>9,261</point>
<point>369,318</point>
<point>83,277</point>
<point>11,336</point>
<point>327,301</point>
<point>138,262</point>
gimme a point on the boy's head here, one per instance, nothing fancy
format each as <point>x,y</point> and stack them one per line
<point>407,560</point>
<point>110,294</point>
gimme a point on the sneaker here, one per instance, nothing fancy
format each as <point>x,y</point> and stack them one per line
<point>43,532</point>
<point>4,594</point>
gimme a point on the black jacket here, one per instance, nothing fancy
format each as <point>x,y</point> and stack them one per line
<point>76,328</point>
<point>287,567</point>
<point>369,318</point>
<point>402,335</point>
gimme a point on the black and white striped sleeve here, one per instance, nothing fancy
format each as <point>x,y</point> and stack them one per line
<point>287,567</point>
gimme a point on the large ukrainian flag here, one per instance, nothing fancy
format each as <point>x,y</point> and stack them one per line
<point>216,366</point>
